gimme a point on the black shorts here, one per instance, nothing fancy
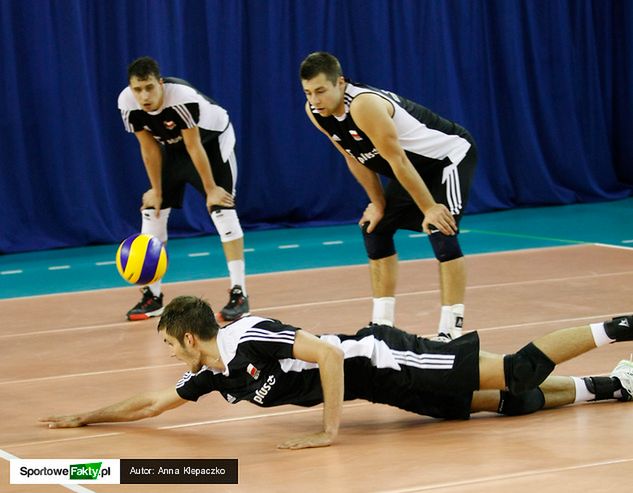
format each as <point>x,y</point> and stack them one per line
<point>178,170</point>
<point>419,386</point>
<point>401,212</point>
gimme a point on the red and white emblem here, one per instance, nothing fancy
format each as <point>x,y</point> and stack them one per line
<point>252,371</point>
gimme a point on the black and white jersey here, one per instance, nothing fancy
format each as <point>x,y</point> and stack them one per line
<point>425,136</point>
<point>382,364</point>
<point>183,107</point>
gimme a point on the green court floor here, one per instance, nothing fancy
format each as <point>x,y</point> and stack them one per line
<point>76,269</point>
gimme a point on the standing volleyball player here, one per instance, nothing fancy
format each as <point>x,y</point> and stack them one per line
<point>430,162</point>
<point>185,137</point>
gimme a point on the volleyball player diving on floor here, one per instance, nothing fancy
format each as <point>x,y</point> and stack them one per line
<point>269,363</point>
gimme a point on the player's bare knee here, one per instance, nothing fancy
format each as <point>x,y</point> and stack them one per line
<point>155,226</point>
<point>379,245</point>
<point>525,403</point>
<point>526,369</point>
<point>445,247</point>
<point>227,224</point>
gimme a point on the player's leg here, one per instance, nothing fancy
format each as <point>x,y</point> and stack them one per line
<point>151,303</point>
<point>450,186</point>
<point>531,365</point>
<point>557,391</point>
<point>383,273</point>
<point>383,259</point>
<point>229,228</point>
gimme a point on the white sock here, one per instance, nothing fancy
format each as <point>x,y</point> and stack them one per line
<point>449,315</point>
<point>384,310</point>
<point>237,272</point>
<point>155,288</point>
<point>600,336</point>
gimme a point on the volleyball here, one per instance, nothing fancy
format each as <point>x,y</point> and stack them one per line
<point>141,259</point>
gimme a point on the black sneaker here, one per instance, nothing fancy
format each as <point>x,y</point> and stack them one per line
<point>237,307</point>
<point>149,306</point>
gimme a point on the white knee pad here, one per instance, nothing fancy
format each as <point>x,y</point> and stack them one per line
<point>227,224</point>
<point>155,226</point>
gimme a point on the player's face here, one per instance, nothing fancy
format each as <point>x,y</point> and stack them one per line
<point>148,92</point>
<point>185,352</point>
<point>325,96</point>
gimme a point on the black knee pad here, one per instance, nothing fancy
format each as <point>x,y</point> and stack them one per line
<point>378,245</point>
<point>445,247</point>
<point>525,403</point>
<point>526,369</point>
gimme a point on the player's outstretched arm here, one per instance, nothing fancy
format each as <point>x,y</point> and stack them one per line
<point>309,348</point>
<point>138,407</point>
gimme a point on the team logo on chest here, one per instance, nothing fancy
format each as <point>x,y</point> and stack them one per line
<point>169,125</point>
<point>252,371</point>
<point>355,135</point>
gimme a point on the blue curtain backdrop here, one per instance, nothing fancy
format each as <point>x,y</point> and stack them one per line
<point>545,86</point>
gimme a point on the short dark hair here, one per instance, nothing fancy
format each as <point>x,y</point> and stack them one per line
<point>143,68</point>
<point>189,314</point>
<point>320,62</point>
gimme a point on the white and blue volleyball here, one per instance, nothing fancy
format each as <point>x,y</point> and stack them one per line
<point>141,259</point>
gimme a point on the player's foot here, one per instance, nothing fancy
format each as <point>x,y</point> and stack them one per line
<point>624,373</point>
<point>620,328</point>
<point>442,337</point>
<point>149,306</point>
<point>237,307</point>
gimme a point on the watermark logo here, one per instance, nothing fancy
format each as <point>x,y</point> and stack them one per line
<point>64,471</point>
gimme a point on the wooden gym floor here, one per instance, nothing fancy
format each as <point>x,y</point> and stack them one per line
<point>70,352</point>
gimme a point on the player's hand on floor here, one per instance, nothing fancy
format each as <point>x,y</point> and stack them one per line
<point>321,439</point>
<point>440,217</point>
<point>219,196</point>
<point>71,421</point>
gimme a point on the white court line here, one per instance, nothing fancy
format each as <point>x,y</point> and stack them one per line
<point>199,254</point>
<point>249,250</point>
<point>105,262</point>
<point>621,247</point>
<point>285,247</point>
<point>627,241</point>
<point>89,373</point>
<point>60,440</point>
<point>70,329</point>
<point>72,487</point>
<point>256,416</point>
<point>125,324</point>
<point>487,479</point>
<point>59,267</point>
<point>333,242</point>
<point>9,272</point>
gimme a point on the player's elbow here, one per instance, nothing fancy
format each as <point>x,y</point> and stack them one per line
<point>333,355</point>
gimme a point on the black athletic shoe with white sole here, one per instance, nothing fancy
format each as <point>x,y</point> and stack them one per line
<point>237,307</point>
<point>149,306</point>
